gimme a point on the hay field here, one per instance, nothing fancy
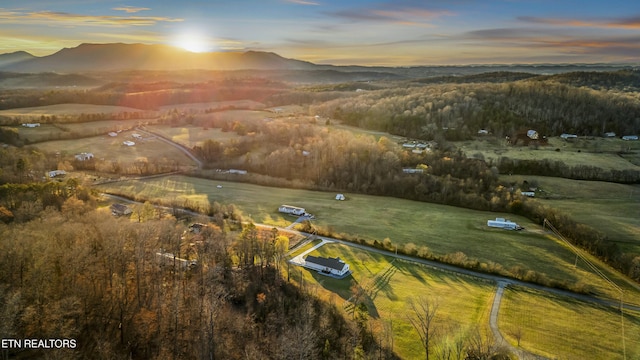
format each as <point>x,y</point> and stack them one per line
<point>111,148</point>
<point>597,152</point>
<point>191,136</point>
<point>65,109</point>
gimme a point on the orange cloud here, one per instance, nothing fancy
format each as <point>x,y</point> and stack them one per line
<point>130,9</point>
<point>69,19</point>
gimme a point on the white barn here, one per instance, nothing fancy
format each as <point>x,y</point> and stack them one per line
<point>294,210</point>
<point>332,266</point>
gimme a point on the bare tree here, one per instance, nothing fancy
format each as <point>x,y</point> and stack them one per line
<point>423,311</point>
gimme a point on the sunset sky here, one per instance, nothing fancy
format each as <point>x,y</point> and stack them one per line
<point>340,32</point>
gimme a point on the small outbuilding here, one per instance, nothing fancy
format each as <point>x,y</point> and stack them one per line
<point>84,156</point>
<point>128,143</point>
<point>340,197</point>
<point>503,223</point>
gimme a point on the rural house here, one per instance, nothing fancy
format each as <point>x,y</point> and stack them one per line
<point>331,266</point>
<point>120,210</point>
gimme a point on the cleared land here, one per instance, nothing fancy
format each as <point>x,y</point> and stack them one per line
<point>444,230</point>
<point>611,208</point>
<point>596,152</point>
<point>191,136</point>
<point>46,132</point>
<point>65,109</point>
<point>112,149</point>
<point>563,328</point>
<point>463,303</point>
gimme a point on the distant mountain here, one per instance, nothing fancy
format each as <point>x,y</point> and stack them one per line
<point>118,57</point>
<point>14,57</point>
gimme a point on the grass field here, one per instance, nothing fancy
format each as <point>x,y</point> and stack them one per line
<point>463,303</point>
<point>443,229</point>
<point>611,208</point>
<point>191,136</point>
<point>46,132</point>
<point>562,328</point>
<point>597,152</point>
<point>65,109</point>
<point>111,148</point>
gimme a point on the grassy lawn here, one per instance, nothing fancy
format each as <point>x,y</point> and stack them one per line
<point>443,229</point>
<point>562,328</point>
<point>597,152</point>
<point>111,148</point>
<point>463,303</point>
<point>611,208</point>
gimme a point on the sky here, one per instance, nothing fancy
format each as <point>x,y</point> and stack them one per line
<point>341,32</point>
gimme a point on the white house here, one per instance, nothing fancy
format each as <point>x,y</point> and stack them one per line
<point>236,171</point>
<point>332,266</point>
<point>340,197</point>
<point>113,134</point>
<point>128,143</point>
<point>84,156</point>
<point>568,136</point>
<point>31,125</point>
<point>528,193</point>
<point>503,223</point>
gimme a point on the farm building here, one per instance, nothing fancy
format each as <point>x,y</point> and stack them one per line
<point>630,137</point>
<point>528,193</point>
<point>113,134</point>
<point>84,156</point>
<point>332,266</point>
<point>610,134</point>
<point>236,171</point>
<point>31,125</point>
<point>120,209</point>
<point>128,143</point>
<point>483,132</point>
<point>569,136</point>
<point>340,197</point>
<point>503,223</point>
<point>294,210</point>
<point>54,173</point>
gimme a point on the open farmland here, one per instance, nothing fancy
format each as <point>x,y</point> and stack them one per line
<point>46,132</point>
<point>61,110</point>
<point>111,148</point>
<point>459,233</point>
<point>609,207</point>
<point>191,136</point>
<point>596,152</point>
<point>463,303</point>
<point>562,328</point>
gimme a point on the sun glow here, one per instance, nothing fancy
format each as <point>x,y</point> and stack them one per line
<point>193,42</point>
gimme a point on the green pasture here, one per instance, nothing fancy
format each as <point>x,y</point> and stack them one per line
<point>444,230</point>
<point>596,152</point>
<point>613,209</point>
<point>389,285</point>
<point>563,328</point>
<point>111,148</point>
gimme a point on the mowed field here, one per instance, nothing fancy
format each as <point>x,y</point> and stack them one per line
<point>613,209</point>
<point>111,148</point>
<point>596,152</point>
<point>549,325</point>
<point>463,303</point>
<point>444,230</point>
<point>563,328</point>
